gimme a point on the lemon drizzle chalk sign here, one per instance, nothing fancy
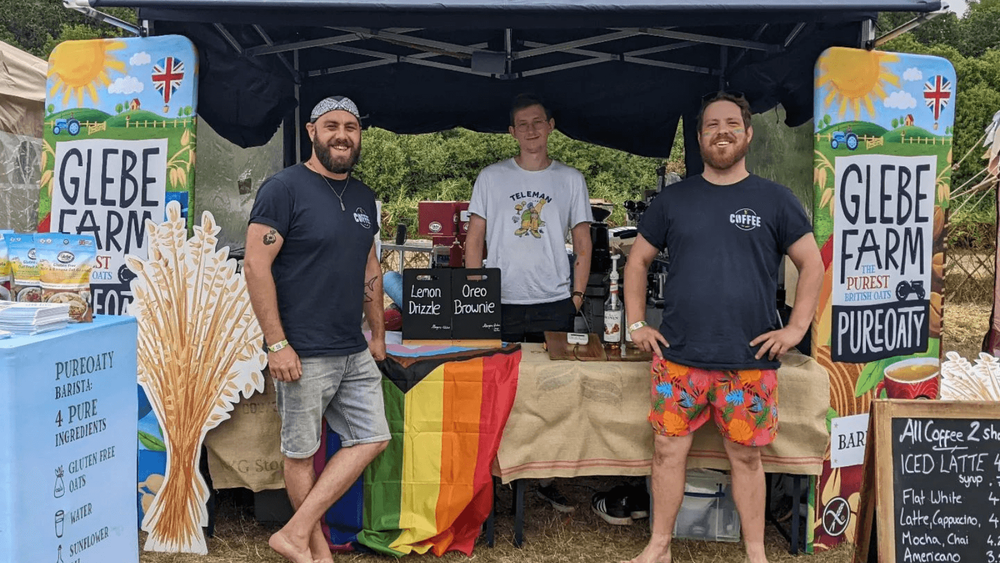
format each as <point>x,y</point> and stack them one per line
<point>427,307</point>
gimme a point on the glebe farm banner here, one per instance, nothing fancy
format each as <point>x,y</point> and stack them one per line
<point>119,144</point>
<point>882,174</point>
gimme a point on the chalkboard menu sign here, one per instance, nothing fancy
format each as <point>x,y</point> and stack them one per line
<point>938,497</point>
<point>475,296</point>
<point>452,304</point>
<point>427,307</point>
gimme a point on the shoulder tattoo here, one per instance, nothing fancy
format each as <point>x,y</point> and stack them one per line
<point>271,237</point>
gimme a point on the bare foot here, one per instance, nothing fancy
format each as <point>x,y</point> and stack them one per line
<point>319,547</point>
<point>653,554</point>
<point>280,542</point>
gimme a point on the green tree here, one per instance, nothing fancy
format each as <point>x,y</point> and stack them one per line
<point>826,120</point>
<point>942,30</point>
<point>37,26</point>
<point>118,107</point>
<point>980,31</point>
<point>51,108</point>
<point>406,169</point>
<point>187,111</point>
<point>895,123</point>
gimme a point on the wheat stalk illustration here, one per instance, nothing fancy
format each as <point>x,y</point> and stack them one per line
<point>199,349</point>
<point>961,381</point>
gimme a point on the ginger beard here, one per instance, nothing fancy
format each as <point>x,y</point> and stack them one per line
<point>341,163</point>
<point>723,156</point>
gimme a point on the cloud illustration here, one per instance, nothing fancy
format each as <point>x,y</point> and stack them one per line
<point>900,100</point>
<point>126,85</point>
<point>140,58</point>
<point>912,74</point>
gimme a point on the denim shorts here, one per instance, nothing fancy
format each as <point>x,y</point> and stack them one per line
<point>346,390</point>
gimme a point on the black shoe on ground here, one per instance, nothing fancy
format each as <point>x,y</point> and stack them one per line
<point>553,496</point>
<point>612,506</point>
<point>638,502</point>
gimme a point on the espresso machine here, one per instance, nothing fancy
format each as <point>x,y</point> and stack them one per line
<point>591,317</point>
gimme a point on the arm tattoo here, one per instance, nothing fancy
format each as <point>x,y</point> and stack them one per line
<point>270,238</point>
<point>370,287</point>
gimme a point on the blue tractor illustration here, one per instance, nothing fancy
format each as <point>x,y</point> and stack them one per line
<point>72,125</point>
<point>841,138</point>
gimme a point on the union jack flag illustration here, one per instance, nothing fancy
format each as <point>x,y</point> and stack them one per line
<point>937,92</point>
<point>167,76</point>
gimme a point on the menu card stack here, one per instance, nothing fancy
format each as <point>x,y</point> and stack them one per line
<point>33,318</point>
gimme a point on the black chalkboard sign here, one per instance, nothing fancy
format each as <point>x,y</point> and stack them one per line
<point>937,480</point>
<point>427,307</point>
<point>475,296</point>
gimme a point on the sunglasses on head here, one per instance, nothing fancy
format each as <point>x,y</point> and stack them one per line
<point>713,96</point>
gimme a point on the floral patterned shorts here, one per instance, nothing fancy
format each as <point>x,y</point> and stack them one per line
<point>744,403</point>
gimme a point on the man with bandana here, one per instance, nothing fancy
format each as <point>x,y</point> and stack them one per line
<point>311,271</point>
<point>716,351</point>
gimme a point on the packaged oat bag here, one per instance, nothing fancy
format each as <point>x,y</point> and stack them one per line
<point>24,283</point>
<point>4,268</point>
<point>64,266</point>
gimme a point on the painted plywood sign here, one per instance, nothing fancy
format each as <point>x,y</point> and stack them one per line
<point>883,151</point>
<point>119,144</point>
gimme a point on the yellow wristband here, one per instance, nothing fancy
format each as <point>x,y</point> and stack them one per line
<point>277,346</point>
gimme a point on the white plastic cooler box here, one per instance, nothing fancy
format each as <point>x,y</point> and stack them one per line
<point>708,511</point>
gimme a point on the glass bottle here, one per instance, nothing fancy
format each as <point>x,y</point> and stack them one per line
<point>614,312</point>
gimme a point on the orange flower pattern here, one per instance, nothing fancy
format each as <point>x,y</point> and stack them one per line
<point>744,403</point>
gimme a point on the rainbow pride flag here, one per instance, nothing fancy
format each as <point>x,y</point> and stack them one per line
<point>432,488</point>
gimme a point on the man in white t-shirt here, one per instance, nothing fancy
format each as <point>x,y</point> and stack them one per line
<point>523,208</point>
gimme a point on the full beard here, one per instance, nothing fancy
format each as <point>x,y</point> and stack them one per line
<point>339,165</point>
<point>720,159</point>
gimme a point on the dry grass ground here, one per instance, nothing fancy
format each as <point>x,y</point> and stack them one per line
<point>553,538</point>
<point>549,538</point>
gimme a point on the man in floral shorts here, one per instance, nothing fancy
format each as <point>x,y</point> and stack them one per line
<point>726,232</point>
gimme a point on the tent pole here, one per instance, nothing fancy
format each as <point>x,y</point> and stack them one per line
<point>298,106</point>
<point>867,34</point>
<point>508,49</point>
<point>105,18</point>
<point>723,64</point>
<point>908,26</point>
<point>290,137</point>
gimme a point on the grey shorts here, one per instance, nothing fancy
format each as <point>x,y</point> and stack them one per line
<point>346,390</point>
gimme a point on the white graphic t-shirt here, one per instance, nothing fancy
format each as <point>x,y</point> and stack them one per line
<point>528,217</point>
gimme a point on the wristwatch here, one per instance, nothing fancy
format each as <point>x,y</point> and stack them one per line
<point>277,346</point>
<point>577,293</point>
<point>636,326</point>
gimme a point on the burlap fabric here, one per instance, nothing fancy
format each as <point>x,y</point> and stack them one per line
<point>589,418</point>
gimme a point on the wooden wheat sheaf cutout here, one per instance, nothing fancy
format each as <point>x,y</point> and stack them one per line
<point>961,381</point>
<point>199,348</point>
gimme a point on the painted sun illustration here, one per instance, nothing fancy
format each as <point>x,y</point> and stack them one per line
<point>853,78</point>
<point>78,67</point>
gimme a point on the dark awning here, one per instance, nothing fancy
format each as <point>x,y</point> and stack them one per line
<point>619,73</point>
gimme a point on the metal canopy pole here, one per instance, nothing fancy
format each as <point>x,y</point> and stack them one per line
<point>104,18</point>
<point>430,48</point>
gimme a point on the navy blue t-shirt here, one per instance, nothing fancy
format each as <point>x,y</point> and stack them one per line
<point>725,245</point>
<point>319,271</point>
